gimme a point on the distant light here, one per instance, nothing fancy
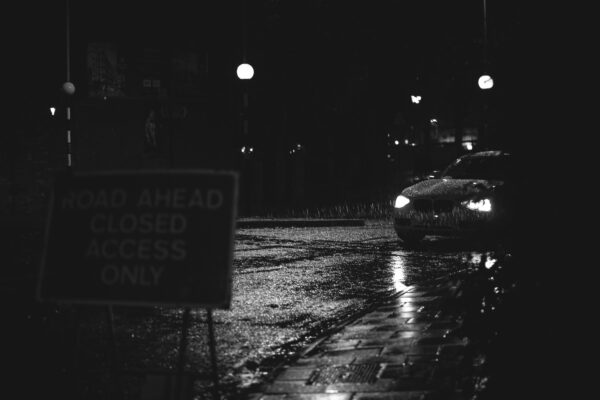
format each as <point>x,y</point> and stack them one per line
<point>247,150</point>
<point>52,111</point>
<point>405,141</point>
<point>415,99</point>
<point>485,82</point>
<point>396,142</point>
<point>68,88</point>
<point>296,148</point>
<point>468,146</point>
<point>433,121</point>
<point>413,144</point>
<point>245,71</point>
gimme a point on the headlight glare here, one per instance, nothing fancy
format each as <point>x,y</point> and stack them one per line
<point>483,205</point>
<point>401,201</point>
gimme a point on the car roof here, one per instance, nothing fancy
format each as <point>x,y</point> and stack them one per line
<point>487,153</point>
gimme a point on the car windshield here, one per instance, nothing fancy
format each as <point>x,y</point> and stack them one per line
<point>490,168</point>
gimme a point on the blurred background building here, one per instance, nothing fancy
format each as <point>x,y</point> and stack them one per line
<point>329,116</point>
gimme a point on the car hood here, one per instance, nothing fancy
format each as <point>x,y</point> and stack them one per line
<point>450,188</point>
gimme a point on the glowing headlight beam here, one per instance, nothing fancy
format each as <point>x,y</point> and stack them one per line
<point>483,205</point>
<point>401,201</point>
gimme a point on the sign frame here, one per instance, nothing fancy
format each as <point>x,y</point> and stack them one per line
<point>227,178</point>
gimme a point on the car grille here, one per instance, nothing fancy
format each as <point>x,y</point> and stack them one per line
<point>437,206</point>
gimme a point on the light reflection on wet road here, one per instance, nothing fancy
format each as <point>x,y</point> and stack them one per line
<point>289,286</point>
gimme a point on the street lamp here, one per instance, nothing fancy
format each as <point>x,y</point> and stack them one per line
<point>245,71</point>
<point>68,87</point>
<point>485,82</point>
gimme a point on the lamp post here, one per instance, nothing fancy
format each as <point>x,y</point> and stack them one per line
<point>68,87</point>
<point>245,72</point>
<point>485,81</point>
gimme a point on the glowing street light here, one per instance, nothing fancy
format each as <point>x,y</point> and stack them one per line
<point>415,99</point>
<point>245,71</point>
<point>485,82</point>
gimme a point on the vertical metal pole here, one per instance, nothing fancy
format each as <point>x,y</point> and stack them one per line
<point>247,145</point>
<point>67,99</point>
<point>213,353</point>
<point>114,364</point>
<point>69,157</point>
<point>244,59</point>
<point>484,31</point>
<point>245,112</point>
<point>484,131</point>
<point>68,42</point>
<point>244,30</point>
<point>182,348</point>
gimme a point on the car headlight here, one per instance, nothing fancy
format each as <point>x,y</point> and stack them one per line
<point>401,201</point>
<point>483,205</point>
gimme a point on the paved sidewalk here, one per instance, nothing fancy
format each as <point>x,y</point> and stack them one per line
<point>429,342</point>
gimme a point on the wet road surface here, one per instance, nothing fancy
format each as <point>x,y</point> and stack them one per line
<point>289,286</point>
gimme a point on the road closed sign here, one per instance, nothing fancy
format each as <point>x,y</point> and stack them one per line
<point>141,238</point>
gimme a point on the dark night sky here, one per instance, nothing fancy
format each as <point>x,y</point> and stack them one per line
<point>310,40</point>
<point>296,45</point>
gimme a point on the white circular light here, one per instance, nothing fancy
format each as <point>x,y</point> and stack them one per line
<point>245,71</point>
<point>485,82</point>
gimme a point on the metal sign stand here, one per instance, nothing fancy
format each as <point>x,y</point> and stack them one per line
<point>54,259</point>
<point>74,327</point>
<point>114,356</point>
<point>182,350</point>
<point>213,353</point>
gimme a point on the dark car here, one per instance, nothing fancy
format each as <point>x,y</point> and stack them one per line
<point>473,196</point>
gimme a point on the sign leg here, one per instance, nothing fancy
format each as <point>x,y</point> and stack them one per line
<point>75,330</point>
<point>114,365</point>
<point>213,353</point>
